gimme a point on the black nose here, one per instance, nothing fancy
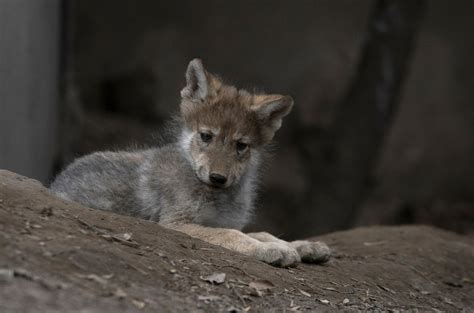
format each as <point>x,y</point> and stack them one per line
<point>217,179</point>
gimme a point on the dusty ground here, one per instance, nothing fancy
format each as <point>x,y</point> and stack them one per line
<point>57,256</point>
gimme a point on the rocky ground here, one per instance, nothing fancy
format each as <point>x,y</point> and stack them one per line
<point>57,256</point>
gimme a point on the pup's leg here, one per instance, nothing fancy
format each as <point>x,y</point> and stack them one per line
<point>309,251</point>
<point>273,253</point>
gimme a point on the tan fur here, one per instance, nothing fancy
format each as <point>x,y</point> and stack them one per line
<point>309,251</point>
<point>274,253</point>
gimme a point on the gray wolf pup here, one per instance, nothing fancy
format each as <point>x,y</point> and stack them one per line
<point>204,184</point>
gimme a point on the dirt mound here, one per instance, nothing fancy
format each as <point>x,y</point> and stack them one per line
<point>57,256</point>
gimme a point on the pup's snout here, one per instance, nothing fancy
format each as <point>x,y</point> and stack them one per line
<point>217,179</point>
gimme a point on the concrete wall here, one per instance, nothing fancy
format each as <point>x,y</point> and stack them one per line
<point>29,59</point>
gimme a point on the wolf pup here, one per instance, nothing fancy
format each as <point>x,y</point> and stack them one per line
<point>205,183</point>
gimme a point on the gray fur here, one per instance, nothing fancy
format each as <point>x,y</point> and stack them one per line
<point>157,184</point>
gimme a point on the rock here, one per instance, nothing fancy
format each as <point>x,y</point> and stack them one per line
<point>393,272</point>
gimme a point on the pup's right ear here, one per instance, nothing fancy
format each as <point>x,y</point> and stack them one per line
<point>270,110</point>
<point>197,85</point>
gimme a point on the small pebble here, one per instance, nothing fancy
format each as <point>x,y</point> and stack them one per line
<point>6,274</point>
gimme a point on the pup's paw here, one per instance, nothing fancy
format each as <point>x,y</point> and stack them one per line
<point>312,251</point>
<point>277,254</point>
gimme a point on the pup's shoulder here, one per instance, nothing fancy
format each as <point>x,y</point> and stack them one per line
<point>169,154</point>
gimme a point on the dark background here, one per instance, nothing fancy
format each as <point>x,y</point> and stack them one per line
<point>120,67</point>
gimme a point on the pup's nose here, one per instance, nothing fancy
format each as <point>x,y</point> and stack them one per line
<point>217,179</point>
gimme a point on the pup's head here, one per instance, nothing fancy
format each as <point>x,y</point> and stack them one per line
<point>224,126</point>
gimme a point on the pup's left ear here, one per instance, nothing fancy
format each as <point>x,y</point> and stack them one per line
<point>197,86</point>
<point>270,111</point>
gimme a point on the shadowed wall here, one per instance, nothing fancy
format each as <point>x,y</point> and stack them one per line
<point>29,82</point>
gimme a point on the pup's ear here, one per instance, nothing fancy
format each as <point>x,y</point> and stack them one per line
<point>197,85</point>
<point>270,111</point>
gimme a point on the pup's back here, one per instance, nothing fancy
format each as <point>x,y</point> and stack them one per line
<point>103,180</point>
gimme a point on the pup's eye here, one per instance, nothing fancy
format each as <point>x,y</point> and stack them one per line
<point>241,146</point>
<point>206,137</point>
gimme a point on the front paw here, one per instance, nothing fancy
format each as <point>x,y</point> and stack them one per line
<point>312,252</point>
<point>277,254</point>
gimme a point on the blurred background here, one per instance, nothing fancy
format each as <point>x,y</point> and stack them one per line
<point>382,131</point>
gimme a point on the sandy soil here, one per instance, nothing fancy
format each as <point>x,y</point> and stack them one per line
<point>57,256</point>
